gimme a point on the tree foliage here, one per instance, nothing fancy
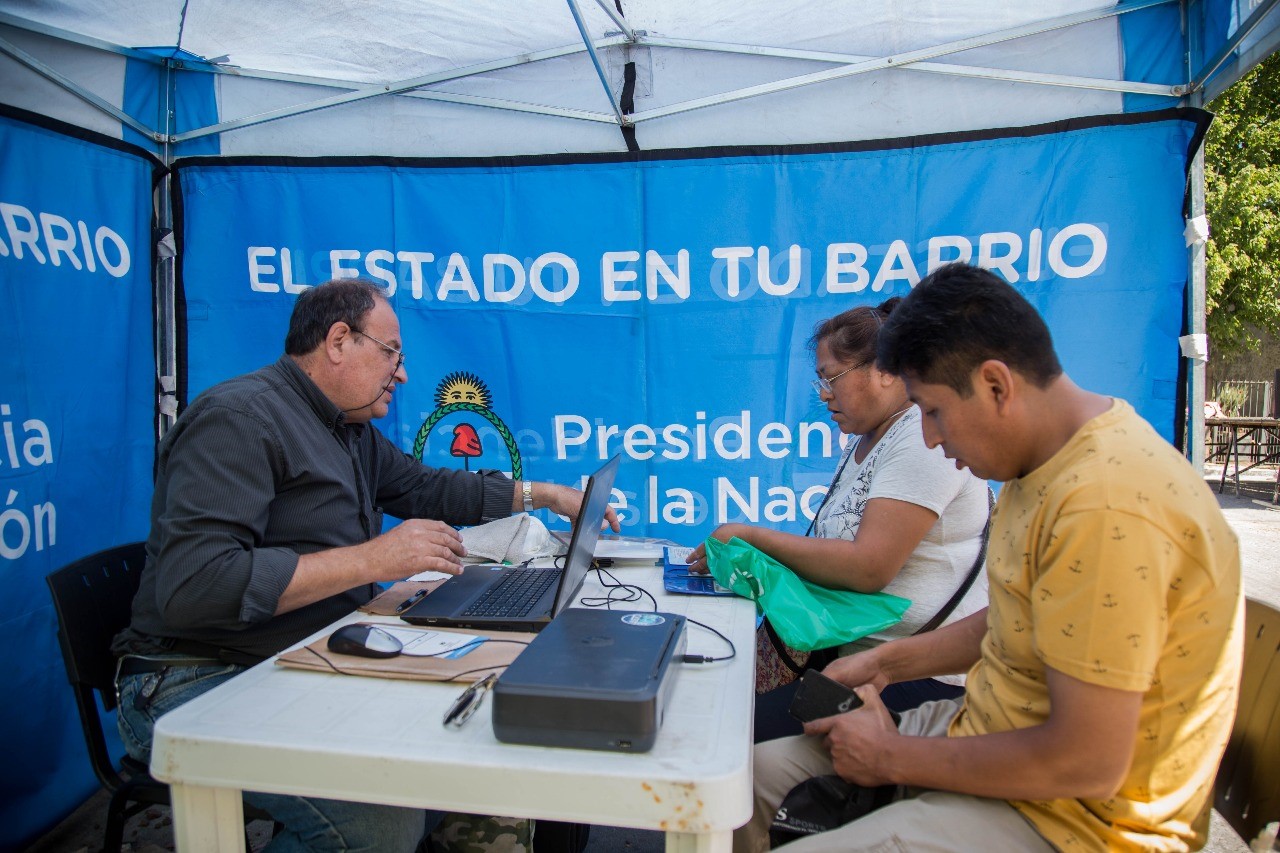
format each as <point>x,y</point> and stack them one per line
<point>1242,200</point>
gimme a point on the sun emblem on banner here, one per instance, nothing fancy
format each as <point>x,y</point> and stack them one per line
<point>466,393</point>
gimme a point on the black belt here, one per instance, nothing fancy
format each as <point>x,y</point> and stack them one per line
<point>142,664</point>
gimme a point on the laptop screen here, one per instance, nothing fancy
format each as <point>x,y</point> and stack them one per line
<point>586,532</point>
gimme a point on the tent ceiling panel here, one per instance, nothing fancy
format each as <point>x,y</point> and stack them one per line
<point>352,41</point>
<point>524,76</point>
<point>567,81</point>
<point>400,127</point>
<point>868,103</point>
<point>1262,39</point>
<point>874,27</point>
<point>98,72</point>
<point>1086,50</point>
<point>882,104</point>
<point>886,104</point>
<point>132,23</point>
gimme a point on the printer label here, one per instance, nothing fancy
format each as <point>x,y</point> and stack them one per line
<point>643,619</point>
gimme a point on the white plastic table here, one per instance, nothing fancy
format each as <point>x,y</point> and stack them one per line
<point>379,740</point>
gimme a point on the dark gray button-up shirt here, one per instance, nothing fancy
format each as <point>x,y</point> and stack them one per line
<point>259,470</point>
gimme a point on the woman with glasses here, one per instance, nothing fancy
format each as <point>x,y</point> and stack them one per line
<point>898,517</point>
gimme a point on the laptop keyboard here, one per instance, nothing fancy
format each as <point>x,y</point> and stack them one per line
<point>514,595</point>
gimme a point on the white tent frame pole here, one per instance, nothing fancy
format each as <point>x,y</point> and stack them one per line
<point>77,38</point>
<point>1242,32</point>
<point>617,19</point>
<point>447,97</point>
<point>900,60</point>
<point>377,90</point>
<point>1196,308</point>
<point>595,61</point>
<point>76,89</point>
<point>514,106</point>
<point>166,276</point>
<point>981,72</point>
<point>1197,312</point>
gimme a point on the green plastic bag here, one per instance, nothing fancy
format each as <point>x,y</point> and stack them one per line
<point>805,615</point>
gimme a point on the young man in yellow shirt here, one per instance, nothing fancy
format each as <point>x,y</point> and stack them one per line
<point>1102,679</point>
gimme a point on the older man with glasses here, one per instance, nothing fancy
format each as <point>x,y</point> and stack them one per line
<point>266,526</point>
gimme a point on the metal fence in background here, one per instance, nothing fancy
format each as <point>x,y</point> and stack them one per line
<point>1245,398</point>
<point>1242,399</point>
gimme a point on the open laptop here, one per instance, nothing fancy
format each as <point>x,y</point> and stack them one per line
<point>507,598</point>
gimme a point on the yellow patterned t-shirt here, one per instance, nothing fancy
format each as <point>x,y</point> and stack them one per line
<point>1111,563</point>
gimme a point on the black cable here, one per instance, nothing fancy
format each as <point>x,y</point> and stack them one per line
<point>635,594</point>
<point>630,590</point>
<point>733,650</point>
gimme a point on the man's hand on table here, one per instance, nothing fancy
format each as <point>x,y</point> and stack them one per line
<point>416,545</point>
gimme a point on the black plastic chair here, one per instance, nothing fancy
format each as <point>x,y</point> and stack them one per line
<point>93,598</point>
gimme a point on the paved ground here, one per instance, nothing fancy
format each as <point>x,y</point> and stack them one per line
<point>1255,519</point>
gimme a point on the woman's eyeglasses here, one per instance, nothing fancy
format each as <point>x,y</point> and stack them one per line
<point>823,385</point>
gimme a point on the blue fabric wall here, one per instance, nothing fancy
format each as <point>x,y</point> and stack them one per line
<point>661,306</point>
<point>76,404</point>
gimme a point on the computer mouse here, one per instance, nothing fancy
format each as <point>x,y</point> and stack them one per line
<point>367,641</point>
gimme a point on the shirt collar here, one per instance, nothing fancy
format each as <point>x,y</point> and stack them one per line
<point>329,414</point>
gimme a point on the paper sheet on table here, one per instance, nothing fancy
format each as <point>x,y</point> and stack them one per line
<point>429,576</point>
<point>423,642</point>
<point>621,549</point>
<point>493,656</point>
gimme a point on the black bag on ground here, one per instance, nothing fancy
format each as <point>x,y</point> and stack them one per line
<point>823,803</point>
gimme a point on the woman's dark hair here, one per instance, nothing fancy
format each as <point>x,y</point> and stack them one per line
<point>851,336</point>
<point>343,300</point>
<point>959,316</point>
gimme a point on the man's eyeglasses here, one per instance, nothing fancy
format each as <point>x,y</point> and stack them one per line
<point>392,352</point>
<point>823,385</point>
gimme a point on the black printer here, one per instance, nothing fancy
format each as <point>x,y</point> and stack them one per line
<point>592,679</point>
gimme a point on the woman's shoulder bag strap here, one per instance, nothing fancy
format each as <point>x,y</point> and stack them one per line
<point>954,601</point>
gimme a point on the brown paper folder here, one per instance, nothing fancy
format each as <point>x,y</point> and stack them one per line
<point>494,656</point>
<point>388,602</point>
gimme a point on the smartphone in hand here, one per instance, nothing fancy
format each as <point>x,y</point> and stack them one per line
<point>819,696</point>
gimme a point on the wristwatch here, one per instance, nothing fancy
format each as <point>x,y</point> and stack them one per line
<point>526,488</point>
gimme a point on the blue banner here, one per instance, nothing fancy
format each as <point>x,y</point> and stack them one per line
<point>76,434</point>
<point>557,311</point>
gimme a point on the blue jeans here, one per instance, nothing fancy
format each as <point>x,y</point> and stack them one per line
<point>309,824</point>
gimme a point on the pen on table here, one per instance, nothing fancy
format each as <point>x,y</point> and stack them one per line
<point>412,600</point>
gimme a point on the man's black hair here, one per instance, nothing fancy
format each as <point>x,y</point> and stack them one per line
<point>342,300</point>
<point>958,317</point>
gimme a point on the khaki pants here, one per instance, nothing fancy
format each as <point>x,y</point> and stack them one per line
<point>924,821</point>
